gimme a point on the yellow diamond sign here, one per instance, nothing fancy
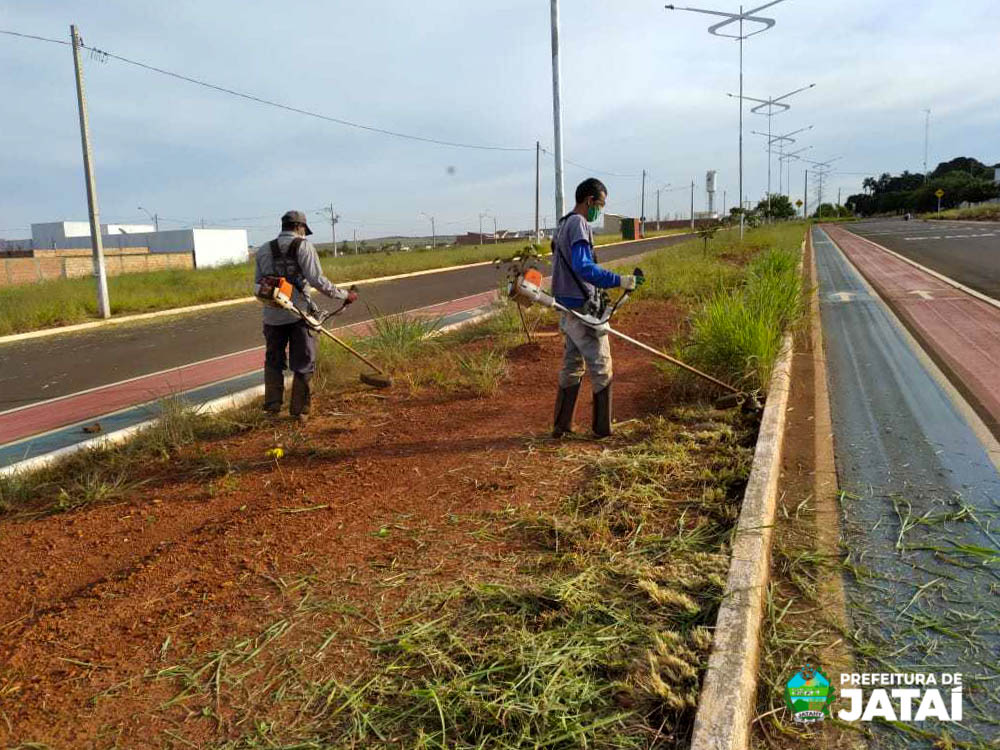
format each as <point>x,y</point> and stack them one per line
<point>939,193</point>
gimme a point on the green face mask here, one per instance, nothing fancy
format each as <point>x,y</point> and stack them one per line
<point>592,213</point>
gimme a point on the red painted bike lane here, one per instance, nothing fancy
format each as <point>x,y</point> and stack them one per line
<point>961,332</point>
<point>35,419</point>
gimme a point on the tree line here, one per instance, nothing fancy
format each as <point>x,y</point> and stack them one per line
<point>962,179</point>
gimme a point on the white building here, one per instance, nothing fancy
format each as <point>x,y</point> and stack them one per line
<point>209,247</point>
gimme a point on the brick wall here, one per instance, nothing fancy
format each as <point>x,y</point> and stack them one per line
<point>70,264</point>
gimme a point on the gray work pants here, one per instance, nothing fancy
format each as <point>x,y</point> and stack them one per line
<point>585,351</point>
<point>300,341</point>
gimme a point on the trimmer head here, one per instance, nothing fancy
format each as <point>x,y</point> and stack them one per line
<point>375,380</point>
<point>748,402</point>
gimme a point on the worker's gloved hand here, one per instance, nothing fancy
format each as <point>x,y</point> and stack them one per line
<point>632,281</point>
<point>352,296</point>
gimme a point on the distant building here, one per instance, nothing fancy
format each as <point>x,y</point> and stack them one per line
<point>208,247</point>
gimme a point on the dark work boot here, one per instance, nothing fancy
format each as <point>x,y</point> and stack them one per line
<point>565,406</point>
<point>274,390</point>
<point>603,412</point>
<point>298,404</point>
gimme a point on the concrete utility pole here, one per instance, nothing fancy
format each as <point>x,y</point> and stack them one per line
<point>433,230</point>
<point>740,17</point>
<point>355,241</point>
<point>927,135</point>
<point>692,204</point>
<point>334,218</point>
<point>724,214</point>
<point>557,109</point>
<point>805,197</point>
<point>480,229</point>
<point>103,304</point>
<point>494,230</point>
<point>642,210</point>
<point>658,209</point>
<point>538,180</point>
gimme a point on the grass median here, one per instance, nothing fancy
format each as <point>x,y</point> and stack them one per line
<point>61,302</point>
<point>974,213</point>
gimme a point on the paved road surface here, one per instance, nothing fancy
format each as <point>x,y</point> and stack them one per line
<point>40,369</point>
<point>922,506</point>
<point>966,251</point>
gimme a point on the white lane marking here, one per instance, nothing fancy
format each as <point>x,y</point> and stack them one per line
<point>921,293</point>
<point>843,296</point>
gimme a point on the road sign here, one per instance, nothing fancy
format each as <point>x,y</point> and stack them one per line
<point>939,193</point>
<point>798,203</point>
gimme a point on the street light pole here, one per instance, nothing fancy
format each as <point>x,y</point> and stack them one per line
<point>154,217</point>
<point>538,160</point>
<point>739,18</point>
<point>557,108</point>
<point>642,211</point>
<point>692,204</point>
<point>770,104</point>
<point>927,133</point>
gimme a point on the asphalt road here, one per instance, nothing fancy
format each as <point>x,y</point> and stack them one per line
<point>966,251</point>
<point>39,369</point>
<point>920,500</point>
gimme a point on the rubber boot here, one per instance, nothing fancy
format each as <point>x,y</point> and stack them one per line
<point>565,406</point>
<point>274,390</point>
<point>602,412</point>
<point>298,405</point>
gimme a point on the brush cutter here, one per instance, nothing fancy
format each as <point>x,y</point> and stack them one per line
<point>277,291</point>
<point>525,288</point>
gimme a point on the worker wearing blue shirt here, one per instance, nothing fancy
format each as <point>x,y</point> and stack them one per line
<point>576,284</point>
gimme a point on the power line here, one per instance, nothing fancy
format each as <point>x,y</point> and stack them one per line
<point>268,102</point>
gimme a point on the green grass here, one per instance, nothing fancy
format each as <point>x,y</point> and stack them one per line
<point>990,212</point>
<point>743,298</point>
<point>63,302</point>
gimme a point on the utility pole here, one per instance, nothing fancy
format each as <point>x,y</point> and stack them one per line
<point>334,218</point>
<point>692,204</point>
<point>658,209</point>
<point>805,197</point>
<point>642,210</point>
<point>434,237</point>
<point>927,133</point>
<point>480,229</point>
<point>838,197</point>
<point>355,241</point>
<point>557,109</point>
<point>724,214</point>
<point>103,305</point>
<point>538,181</point>
<point>494,230</point>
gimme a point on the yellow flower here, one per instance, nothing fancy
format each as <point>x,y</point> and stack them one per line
<point>276,452</point>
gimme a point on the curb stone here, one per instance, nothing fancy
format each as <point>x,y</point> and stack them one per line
<point>726,703</point>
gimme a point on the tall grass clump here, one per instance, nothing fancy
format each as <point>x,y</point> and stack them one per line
<point>738,334</point>
<point>398,338</point>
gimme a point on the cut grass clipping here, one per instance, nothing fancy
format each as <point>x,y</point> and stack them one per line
<point>597,638</point>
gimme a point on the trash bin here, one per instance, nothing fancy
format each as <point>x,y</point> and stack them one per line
<point>630,229</point>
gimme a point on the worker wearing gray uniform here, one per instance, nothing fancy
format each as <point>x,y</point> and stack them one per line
<point>576,284</point>
<point>292,256</point>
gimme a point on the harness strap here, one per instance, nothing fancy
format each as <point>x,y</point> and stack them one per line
<point>282,261</point>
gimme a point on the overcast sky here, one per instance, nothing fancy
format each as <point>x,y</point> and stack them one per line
<point>643,88</point>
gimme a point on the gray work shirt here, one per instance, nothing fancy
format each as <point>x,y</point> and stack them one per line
<point>571,230</point>
<point>311,270</point>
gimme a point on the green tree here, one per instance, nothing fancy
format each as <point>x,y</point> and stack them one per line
<point>781,207</point>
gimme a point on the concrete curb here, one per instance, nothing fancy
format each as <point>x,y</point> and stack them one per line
<point>76,327</point>
<point>726,704</point>
<point>231,401</point>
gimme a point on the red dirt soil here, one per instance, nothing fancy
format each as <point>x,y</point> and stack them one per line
<point>90,597</point>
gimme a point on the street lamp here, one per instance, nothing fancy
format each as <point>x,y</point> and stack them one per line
<point>770,104</point>
<point>154,217</point>
<point>787,158</point>
<point>739,18</point>
<point>781,140</point>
